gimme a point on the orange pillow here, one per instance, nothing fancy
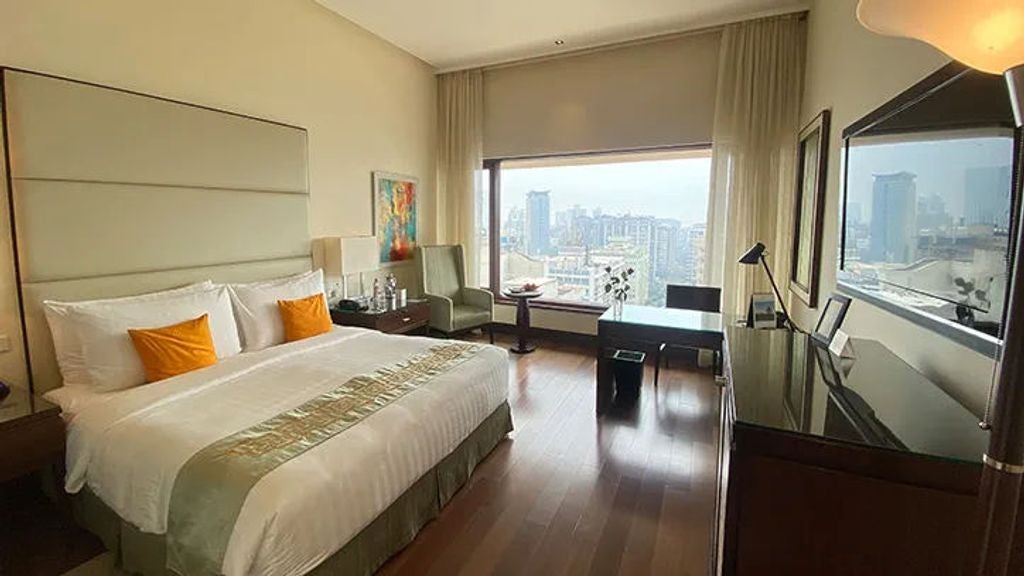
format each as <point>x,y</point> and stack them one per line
<point>175,349</point>
<point>304,317</point>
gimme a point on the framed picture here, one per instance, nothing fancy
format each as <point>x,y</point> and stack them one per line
<point>762,310</point>
<point>811,169</point>
<point>831,318</point>
<point>394,215</point>
<point>826,364</point>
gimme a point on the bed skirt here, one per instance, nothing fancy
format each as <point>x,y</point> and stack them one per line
<point>137,552</point>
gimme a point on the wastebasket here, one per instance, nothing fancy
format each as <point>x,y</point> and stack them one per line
<point>628,368</point>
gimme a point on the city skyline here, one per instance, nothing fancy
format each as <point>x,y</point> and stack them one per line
<point>938,165</point>
<point>675,188</point>
<point>568,254</point>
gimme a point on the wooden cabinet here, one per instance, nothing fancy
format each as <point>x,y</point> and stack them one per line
<point>31,435</point>
<point>839,467</point>
<point>415,316</point>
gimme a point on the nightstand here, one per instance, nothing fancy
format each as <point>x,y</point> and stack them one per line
<point>414,316</point>
<point>31,434</point>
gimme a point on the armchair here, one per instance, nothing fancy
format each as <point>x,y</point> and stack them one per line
<point>454,307</point>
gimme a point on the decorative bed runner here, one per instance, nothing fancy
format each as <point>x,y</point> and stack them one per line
<point>212,486</point>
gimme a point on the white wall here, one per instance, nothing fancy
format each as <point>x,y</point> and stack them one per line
<point>656,93</point>
<point>853,71</point>
<point>366,104</point>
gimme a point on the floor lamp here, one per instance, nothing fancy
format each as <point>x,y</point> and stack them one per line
<point>751,258</point>
<point>989,36</point>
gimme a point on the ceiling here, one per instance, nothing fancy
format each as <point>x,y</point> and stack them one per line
<point>453,34</point>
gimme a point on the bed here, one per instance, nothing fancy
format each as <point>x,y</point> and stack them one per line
<point>324,455</point>
<point>364,492</point>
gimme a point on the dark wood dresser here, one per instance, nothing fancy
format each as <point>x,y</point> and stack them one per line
<point>31,434</point>
<point>840,467</point>
<point>413,317</point>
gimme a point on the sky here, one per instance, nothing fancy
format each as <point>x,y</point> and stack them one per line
<point>939,166</point>
<point>675,188</point>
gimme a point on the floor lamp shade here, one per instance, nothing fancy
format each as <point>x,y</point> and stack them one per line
<point>987,35</point>
<point>984,34</point>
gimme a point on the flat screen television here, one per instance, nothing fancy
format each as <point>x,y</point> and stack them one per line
<point>929,203</point>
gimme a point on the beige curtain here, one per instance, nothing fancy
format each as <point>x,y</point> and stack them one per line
<point>760,80</point>
<point>459,158</point>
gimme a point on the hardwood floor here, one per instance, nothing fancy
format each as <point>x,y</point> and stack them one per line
<point>632,493</point>
<point>34,537</point>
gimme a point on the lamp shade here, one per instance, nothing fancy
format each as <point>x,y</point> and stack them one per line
<point>342,256</point>
<point>753,256</point>
<point>984,34</point>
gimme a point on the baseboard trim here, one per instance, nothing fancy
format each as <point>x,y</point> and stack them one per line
<point>560,336</point>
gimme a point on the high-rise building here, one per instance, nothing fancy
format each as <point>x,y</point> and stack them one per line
<point>988,192</point>
<point>692,258</point>
<point>538,222</point>
<point>666,247</point>
<point>931,214</point>
<point>893,218</point>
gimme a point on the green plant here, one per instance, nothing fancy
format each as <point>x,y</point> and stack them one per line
<point>618,284</point>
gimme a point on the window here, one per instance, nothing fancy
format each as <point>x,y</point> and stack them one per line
<point>564,221</point>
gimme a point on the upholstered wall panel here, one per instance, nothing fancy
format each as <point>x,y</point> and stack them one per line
<point>67,229</point>
<point>116,193</point>
<point>75,131</point>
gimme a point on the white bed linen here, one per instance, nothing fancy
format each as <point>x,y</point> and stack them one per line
<point>128,449</point>
<point>74,399</point>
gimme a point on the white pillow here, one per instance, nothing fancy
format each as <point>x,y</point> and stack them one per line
<point>66,342</point>
<point>107,349</point>
<point>259,319</point>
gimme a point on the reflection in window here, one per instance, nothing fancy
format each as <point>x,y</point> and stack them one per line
<point>928,220</point>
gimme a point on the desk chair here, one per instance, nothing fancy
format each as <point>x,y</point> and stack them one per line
<point>701,298</point>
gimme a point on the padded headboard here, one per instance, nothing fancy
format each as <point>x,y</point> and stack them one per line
<point>117,193</point>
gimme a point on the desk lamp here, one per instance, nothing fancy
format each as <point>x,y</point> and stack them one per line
<point>751,258</point>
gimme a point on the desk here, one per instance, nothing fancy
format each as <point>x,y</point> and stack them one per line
<point>840,468</point>
<point>647,327</point>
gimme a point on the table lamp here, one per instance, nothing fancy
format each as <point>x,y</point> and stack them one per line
<point>751,258</point>
<point>342,257</point>
<point>987,35</point>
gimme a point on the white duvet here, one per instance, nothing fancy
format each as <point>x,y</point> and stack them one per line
<point>129,445</point>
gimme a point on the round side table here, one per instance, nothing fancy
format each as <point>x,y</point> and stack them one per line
<point>522,299</point>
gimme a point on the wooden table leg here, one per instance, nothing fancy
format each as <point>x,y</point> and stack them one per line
<point>523,345</point>
<point>605,385</point>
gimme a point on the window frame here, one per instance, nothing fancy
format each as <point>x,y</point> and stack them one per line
<point>493,165</point>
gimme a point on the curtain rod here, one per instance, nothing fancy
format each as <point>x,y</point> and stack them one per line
<point>665,37</point>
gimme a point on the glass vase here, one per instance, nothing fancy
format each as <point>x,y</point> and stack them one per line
<point>617,308</point>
